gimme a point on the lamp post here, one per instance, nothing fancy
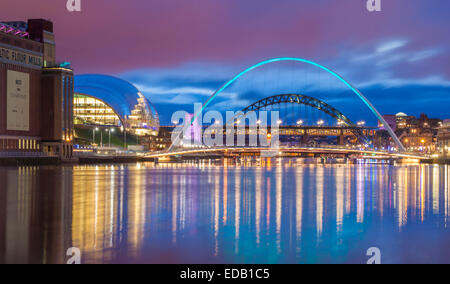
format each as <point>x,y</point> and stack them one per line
<point>125,138</point>
<point>445,145</point>
<point>93,134</point>
<point>109,137</point>
<point>110,130</point>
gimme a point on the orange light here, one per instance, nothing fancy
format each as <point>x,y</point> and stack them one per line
<point>269,136</point>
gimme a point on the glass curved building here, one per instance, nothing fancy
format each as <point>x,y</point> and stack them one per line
<point>103,100</point>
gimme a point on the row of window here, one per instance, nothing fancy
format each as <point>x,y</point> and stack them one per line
<point>19,144</point>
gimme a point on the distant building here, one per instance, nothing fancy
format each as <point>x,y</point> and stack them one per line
<point>391,120</point>
<point>35,92</point>
<point>416,134</point>
<point>163,141</point>
<point>443,139</point>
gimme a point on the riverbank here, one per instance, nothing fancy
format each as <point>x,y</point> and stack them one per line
<point>46,161</point>
<point>28,161</point>
<point>43,161</point>
<point>441,161</point>
<point>112,160</point>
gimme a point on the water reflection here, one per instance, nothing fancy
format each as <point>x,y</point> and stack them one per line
<point>275,212</point>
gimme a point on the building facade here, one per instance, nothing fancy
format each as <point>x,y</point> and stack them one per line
<point>35,93</point>
<point>418,134</point>
<point>106,102</point>
<point>443,139</point>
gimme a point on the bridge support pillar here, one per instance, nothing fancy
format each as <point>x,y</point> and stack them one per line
<point>340,139</point>
<point>305,139</point>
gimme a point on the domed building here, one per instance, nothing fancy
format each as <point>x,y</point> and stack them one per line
<point>107,101</point>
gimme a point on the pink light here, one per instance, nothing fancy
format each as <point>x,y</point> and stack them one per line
<point>13,31</point>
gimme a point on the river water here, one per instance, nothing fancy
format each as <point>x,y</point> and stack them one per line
<point>274,212</point>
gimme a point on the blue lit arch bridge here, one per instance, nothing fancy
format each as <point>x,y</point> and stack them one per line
<point>306,127</point>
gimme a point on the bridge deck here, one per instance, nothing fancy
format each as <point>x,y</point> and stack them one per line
<point>330,151</point>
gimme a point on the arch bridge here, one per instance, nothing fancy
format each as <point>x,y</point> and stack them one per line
<point>343,121</point>
<point>354,90</point>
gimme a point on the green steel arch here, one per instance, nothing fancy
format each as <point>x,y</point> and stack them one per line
<point>309,101</point>
<point>356,91</point>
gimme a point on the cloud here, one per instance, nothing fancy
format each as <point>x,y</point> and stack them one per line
<point>424,54</point>
<point>390,46</point>
<point>184,85</point>
<point>392,82</point>
<point>155,91</point>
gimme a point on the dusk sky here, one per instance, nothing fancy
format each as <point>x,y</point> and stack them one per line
<point>178,52</point>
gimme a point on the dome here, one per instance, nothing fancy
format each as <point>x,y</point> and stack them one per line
<point>401,114</point>
<point>134,110</point>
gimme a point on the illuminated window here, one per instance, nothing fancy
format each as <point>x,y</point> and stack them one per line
<point>89,110</point>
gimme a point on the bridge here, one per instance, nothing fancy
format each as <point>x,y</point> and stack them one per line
<point>345,127</point>
<point>299,152</point>
<point>354,140</point>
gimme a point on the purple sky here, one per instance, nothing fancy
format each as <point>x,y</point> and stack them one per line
<point>180,51</point>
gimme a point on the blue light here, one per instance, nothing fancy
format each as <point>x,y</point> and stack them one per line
<point>286,59</point>
<point>65,65</point>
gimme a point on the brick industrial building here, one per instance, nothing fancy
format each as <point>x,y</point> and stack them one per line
<point>36,94</point>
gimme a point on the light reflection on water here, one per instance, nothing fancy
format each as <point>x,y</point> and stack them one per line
<point>277,212</point>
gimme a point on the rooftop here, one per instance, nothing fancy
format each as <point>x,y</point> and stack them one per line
<point>10,28</point>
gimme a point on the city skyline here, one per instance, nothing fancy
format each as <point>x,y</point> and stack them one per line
<point>396,62</point>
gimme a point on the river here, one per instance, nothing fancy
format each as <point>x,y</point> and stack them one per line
<point>276,212</point>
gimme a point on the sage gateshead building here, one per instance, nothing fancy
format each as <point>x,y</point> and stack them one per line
<point>107,101</point>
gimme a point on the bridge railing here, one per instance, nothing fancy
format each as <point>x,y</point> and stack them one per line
<point>283,147</point>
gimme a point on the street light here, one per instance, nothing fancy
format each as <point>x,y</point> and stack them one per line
<point>93,134</point>
<point>320,122</point>
<point>361,123</point>
<point>279,122</point>
<point>110,130</point>
<point>300,122</point>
